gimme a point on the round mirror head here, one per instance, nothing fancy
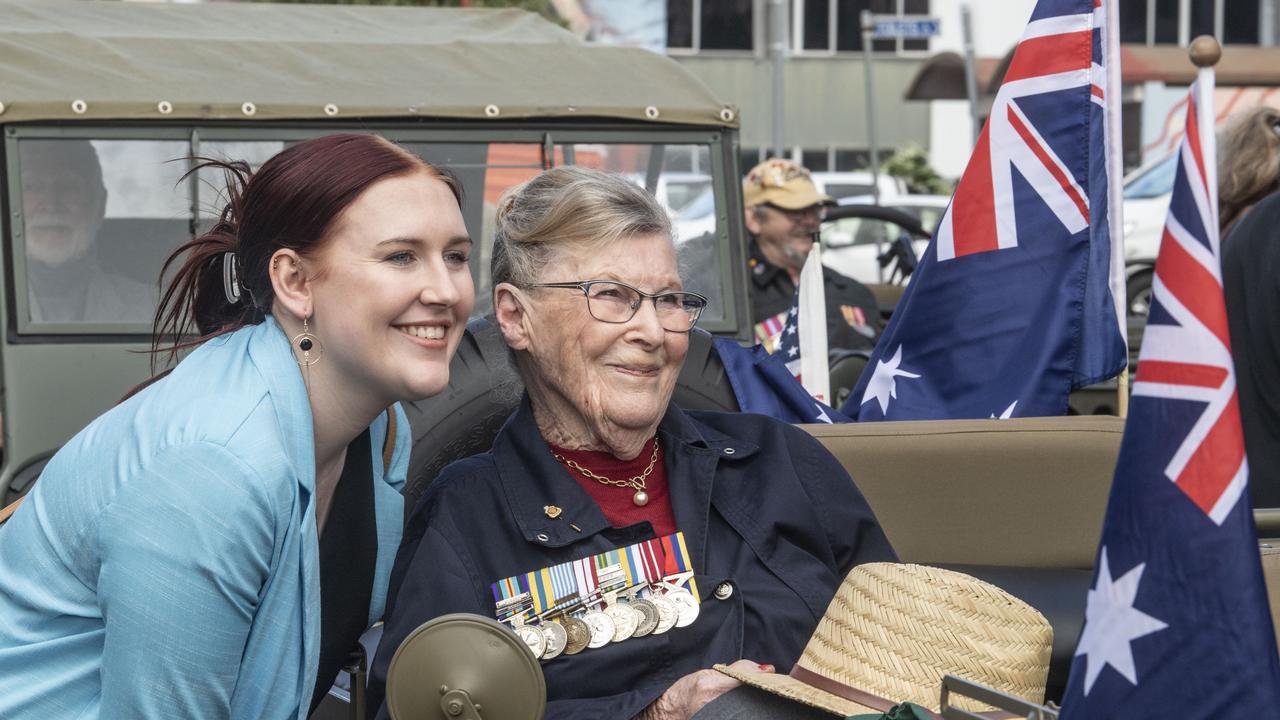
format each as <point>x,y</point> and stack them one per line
<point>470,662</point>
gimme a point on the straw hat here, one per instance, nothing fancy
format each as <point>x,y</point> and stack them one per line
<point>893,631</point>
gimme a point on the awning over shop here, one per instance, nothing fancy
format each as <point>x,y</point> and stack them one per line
<point>941,77</point>
<point>1240,65</point>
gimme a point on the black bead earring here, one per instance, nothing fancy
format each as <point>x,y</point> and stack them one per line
<point>309,345</point>
<point>310,350</point>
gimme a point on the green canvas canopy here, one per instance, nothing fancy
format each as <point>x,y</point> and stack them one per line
<point>228,61</point>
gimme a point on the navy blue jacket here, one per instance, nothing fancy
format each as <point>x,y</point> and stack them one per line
<point>763,507</point>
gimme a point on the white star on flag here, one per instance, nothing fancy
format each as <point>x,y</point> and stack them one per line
<point>1008,412</point>
<point>882,385</point>
<point>823,417</point>
<point>1112,623</point>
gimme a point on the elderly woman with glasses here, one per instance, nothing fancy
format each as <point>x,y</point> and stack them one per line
<point>631,545</point>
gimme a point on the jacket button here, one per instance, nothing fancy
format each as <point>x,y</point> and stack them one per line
<point>724,591</point>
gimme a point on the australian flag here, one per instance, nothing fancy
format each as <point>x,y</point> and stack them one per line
<point>764,384</point>
<point>1010,309</point>
<point>1177,623</point>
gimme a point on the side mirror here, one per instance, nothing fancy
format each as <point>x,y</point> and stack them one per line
<point>464,667</point>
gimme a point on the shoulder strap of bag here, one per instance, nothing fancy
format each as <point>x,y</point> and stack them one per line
<point>8,510</point>
<point>388,445</point>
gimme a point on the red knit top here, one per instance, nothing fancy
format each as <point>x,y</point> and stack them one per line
<point>616,502</point>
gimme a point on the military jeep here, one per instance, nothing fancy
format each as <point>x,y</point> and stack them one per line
<point>104,105</point>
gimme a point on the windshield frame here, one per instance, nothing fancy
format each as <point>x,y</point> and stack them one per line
<point>723,155</point>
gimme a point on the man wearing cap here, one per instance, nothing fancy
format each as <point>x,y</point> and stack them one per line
<point>784,210</point>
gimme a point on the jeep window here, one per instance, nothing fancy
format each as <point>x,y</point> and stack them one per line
<point>670,172</point>
<point>94,250</point>
<point>213,184</point>
<point>98,218</point>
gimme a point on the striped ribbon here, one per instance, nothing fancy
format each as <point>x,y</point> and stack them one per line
<point>569,583</point>
<point>564,583</point>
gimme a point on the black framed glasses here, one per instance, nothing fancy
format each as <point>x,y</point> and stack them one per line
<point>617,302</point>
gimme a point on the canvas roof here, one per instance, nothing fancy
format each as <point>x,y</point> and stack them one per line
<point>65,60</point>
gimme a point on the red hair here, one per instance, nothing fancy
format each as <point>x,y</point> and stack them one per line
<point>291,202</point>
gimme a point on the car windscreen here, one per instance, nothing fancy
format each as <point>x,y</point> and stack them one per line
<point>1153,182</point>
<point>98,216</point>
<point>842,190</point>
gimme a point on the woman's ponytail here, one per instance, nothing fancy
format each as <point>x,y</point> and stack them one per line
<point>198,293</point>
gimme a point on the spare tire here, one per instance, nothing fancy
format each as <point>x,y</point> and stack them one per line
<point>484,390</point>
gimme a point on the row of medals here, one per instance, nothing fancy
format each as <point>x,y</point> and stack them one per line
<point>665,607</point>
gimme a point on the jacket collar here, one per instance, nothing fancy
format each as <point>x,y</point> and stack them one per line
<point>271,355</point>
<point>533,480</point>
<point>762,272</point>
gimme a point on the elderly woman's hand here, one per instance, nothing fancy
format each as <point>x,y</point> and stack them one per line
<point>690,693</point>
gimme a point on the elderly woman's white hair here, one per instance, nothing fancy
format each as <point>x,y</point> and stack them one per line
<point>568,209</point>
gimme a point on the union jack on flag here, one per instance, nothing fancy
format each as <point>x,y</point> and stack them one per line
<point>1010,308</point>
<point>1177,623</point>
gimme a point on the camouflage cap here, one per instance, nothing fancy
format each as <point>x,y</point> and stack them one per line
<point>782,183</point>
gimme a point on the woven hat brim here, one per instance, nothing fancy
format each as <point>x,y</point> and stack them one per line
<point>793,689</point>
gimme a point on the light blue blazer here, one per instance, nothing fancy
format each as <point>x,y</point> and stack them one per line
<point>166,564</point>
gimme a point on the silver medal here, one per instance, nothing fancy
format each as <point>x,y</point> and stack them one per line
<point>667,613</point>
<point>686,606</point>
<point>625,620</point>
<point>648,617</point>
<point>533,639</point>
<point>556,637</point>
<point>601,626</point>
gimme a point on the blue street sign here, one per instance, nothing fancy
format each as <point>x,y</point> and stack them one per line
<point>906,27</point>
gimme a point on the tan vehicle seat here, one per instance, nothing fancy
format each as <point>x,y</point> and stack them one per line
<point>1017,502</point>
<point>1025,492</point>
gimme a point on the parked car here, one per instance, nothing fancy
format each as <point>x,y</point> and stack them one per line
<point>859,182</point>
<point>1146,206</point>
<point>853,243</point>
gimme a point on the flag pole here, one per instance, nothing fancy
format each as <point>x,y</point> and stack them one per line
<point>1205,52</point>
<point>1115,190</point>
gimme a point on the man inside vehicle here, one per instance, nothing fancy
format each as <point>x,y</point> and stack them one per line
<point>783,213</point>
<point>64,202</point>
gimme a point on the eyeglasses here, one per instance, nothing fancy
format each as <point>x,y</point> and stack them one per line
<point>813,213</point>
<point>615,302</point>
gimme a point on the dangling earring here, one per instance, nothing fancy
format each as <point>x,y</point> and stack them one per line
<point>310,351</point>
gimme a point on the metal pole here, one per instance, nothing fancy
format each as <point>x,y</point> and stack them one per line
<point>970,75</point>
<point>868,26</point>
<point>778,59</point>
<point>1267,23</point>
<point>1113,105</point>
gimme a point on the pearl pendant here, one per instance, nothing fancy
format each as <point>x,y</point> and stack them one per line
<point>641,498</point>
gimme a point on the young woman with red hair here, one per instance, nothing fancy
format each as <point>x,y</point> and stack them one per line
<point>213,546</point>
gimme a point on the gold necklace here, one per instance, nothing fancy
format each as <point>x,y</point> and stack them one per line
<point>636,483</point>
